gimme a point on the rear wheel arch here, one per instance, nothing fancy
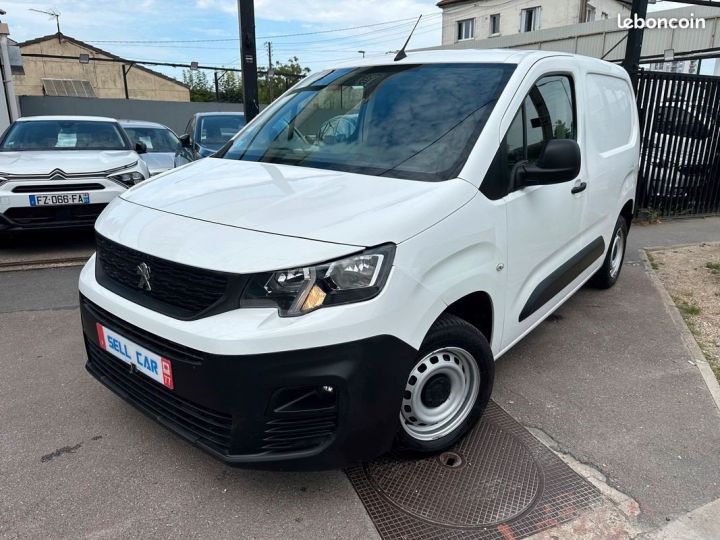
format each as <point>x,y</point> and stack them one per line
<point>627,212</point>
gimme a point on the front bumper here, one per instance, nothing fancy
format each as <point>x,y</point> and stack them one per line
<point>266,410</point>
<point>16,212</point>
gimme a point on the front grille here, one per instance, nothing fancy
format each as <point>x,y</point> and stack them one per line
<point>30,216</point>
<point>210,427</point>
<point>157,344</point>
<point>44,188</point>
<point>177,290</point>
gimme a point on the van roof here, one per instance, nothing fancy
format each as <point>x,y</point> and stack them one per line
<point>494,56</point>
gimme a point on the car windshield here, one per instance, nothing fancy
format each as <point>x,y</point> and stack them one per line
<point>216,130</point>
<point>404,121</point>
<point>63,135</point>
<point>156,139</point>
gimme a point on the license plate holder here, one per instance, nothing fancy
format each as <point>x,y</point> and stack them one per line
<point>146,362</point>
<point>59,199</point>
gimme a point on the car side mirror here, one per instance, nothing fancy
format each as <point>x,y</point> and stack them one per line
<point>559,162</point>
<point>140,147</point>
<point>185,140</point>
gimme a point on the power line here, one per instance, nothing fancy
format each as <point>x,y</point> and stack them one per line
<point>276,36</point>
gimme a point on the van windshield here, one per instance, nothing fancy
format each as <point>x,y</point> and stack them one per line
<point>404,121</point>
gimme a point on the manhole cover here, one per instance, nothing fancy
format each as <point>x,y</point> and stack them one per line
<point>498,483</point>
<point>463,488</point>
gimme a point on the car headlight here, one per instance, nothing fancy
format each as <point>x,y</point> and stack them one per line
<point>128,179</point>
<point>297,291</point>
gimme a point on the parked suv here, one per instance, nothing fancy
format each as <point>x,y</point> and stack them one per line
<point>206,132</point>
<point>315,294</point>
<point>61,171</point>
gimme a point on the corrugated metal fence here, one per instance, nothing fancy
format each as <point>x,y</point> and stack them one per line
<point>680,130</point>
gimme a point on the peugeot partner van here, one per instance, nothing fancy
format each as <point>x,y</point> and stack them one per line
<point>340,277</point>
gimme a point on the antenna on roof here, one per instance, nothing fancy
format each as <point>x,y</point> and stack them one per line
<point>52,13</point>
<point>401,53</point>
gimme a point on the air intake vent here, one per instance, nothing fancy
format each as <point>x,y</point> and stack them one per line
<point>302,419</point>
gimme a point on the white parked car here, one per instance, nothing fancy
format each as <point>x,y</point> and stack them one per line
<point>61,171</point>
<point>309,300</point>
<point>164,151</point>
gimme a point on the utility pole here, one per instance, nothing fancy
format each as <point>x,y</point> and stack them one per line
<point>248,57</point>
<point>270,73</point>
<point>633,46</point>
<point>6,73</point>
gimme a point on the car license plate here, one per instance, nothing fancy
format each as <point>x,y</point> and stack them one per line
<point>146,362</point>
<point>59,199</point>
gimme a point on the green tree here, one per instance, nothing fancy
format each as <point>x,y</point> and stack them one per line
<point>284,76</point>
<point>230,87</point>
<point>200,89</point>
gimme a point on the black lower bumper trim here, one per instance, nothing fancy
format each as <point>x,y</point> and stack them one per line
<point>319,408</point>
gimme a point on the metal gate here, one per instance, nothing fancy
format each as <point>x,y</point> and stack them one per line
<point>680,130</point>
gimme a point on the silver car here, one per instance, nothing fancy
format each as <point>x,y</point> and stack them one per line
<point>164,149</point>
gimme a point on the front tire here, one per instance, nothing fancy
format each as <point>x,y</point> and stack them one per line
<point>447,389</point>
<point>609,272</point>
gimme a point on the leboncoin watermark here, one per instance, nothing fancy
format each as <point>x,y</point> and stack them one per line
<point>660,22</point>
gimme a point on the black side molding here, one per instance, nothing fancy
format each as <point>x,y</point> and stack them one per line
<point>562,277</point>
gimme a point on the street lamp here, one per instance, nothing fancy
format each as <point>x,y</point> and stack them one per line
<point>362,52</point>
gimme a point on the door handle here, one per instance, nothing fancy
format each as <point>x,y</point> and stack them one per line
<point>578,188</point>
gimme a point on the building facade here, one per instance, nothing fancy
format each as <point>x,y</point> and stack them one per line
<point>83,76</point>
<point>466,20</point>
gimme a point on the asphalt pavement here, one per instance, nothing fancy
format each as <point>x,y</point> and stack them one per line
<point>607,378</point>
<point>77,461</point>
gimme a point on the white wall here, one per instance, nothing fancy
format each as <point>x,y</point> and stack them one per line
<point>552,14</point>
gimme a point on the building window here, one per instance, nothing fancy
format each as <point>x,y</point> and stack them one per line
<point>68,87</point>
<point>530,19</point>
<point>466,29</point>
<point>589,13</point>
<point>494,24</point>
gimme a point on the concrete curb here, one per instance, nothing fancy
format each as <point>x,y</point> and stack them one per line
<point>42,263</point>
<point>688,339</point>
<point>700,524</point>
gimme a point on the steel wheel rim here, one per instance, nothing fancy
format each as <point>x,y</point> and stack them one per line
<point>427,423</point>
<point>616,255</point>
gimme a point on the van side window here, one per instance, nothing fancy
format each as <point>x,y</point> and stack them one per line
<point>610,103</point>
<point>548,112</point>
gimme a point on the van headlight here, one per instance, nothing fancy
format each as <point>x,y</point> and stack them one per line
<point>297,291</point>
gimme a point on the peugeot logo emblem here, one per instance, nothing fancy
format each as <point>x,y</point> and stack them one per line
<point>143,270</point>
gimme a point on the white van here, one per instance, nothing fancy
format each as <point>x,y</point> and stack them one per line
<point>340,277</point>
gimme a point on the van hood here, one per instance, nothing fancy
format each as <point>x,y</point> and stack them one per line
<point>69,161</point>
<point>316,204</point>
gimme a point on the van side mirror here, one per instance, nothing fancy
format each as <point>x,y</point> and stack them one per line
<point>559,162</point>
<point>140,147</point>
<point>185,140</point>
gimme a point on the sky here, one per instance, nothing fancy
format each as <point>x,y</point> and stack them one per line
<point>206,31</point>
<point>120,26</point>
